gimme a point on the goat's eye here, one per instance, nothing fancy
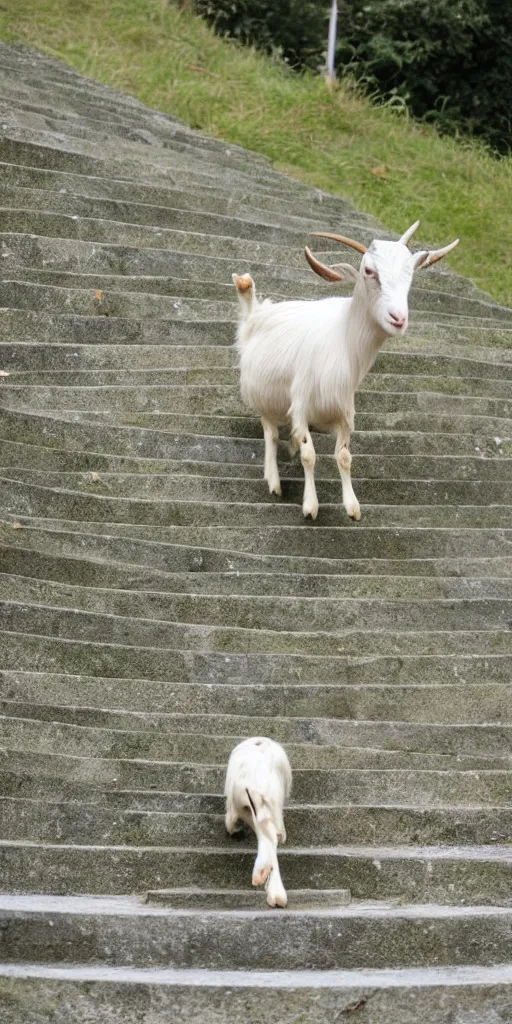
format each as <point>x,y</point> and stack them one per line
<point>368,272</point>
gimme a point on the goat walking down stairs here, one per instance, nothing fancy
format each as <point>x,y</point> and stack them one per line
<point>301,362</point>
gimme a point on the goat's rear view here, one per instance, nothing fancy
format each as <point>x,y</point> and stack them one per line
<point>258,781</point>
<point>301,362</point>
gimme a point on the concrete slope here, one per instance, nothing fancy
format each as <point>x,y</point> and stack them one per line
<point>157,605</point>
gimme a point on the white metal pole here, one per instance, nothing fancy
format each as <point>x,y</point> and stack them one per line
<point>331,45</point>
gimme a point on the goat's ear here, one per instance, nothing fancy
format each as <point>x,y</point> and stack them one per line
<point>422,260</point>
<point>349,272</point>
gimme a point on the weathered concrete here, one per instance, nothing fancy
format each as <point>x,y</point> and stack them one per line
<point>156,605</point>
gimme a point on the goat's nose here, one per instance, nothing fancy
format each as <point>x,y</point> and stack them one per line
<point>398,319</point>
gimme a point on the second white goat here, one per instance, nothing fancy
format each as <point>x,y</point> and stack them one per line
<point>258,781</point>
<point>301,362</point>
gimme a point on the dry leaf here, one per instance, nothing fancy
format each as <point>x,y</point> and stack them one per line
<point>98,296</point>
<point>95,477</point>
<point>4,373</point>
<point>17,525</point>
<point>381,171</point>
<point>352,1007</point>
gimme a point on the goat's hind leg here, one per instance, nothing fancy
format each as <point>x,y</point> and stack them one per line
<point>271,435</point>
<point>344,460</point>
<point>232,820</point>
<point>276,892</point>
<point>303,440</point>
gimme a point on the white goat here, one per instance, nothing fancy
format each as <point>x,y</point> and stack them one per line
<point>258,781</point>
<point>302,362</point>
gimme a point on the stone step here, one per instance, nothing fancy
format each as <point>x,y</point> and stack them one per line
<point>74,253</point>
<point>277,514</point>
<point>29,562</point>
<point>204,399</point>
<point>367,698</point>
<point>319,548</point>
<point>177,217</point>
<point>96,128</point>
<point>309,615</point>
<point>469,875</point>
<point>431,787</point>
<point>135,361</point>
<point>368,716</point>
<point>242,899</point>
<point>44,820</point>
<point>26,652</point>
<point>436,306</point>
<point>239,490</point>
<point>87,741</point>
<point>29,458</point>
<point>208,514</point>
<point>211,441</point>
<point>40,148</point>
<point>379,390</point>
<point>50,790</point>
<point>216,369</point>
<point>212,199</point>
<point>28,325</point>
<point>404,995</point>
<point>420,633</point>
<point>233,684</point>
<point>64,538</point>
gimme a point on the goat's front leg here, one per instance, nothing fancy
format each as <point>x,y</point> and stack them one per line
<point>344,460</point>
<point>302,439</point>
<point>271,435</point>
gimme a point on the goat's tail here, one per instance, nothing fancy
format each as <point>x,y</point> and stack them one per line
<point>246,292</point>
<point>260,811</point>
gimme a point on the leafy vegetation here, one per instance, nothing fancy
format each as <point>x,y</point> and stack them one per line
<point>296,29</point>
<point>449,60</point>
<point>378,157</point>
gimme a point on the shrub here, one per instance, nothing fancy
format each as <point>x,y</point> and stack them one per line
<point>295,28</point>
<point>449,60</point>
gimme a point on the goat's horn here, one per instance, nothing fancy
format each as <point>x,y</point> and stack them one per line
<point>341,238</point>
<point>437,254</point>
<point>409,233</point>
<point>321,269</point>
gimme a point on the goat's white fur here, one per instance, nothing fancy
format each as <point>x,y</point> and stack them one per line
<point>258,781</point>
<point>301,362</point>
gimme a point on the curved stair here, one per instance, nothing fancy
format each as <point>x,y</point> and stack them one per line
<point>158,605</point>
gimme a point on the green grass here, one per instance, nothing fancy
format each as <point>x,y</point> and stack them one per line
<point>334,140</point>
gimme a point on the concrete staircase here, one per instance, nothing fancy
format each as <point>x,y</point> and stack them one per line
<point>158,605</point>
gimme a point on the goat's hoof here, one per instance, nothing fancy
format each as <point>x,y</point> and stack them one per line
<point>354,511</point>
<point>310,510</point>
<point>275,488</point>
<point>238,834</point>
<point>261,875</point>
<point>277,899</point>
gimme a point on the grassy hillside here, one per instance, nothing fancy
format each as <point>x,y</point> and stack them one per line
<point>378,158</point>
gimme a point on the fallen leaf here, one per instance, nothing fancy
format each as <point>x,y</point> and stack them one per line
<point>98,296</point>
<point>381,171</point>
<point>95,477</point>
<point>4,373</point>
<point>352,1007</point>
<point>17,525</point>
